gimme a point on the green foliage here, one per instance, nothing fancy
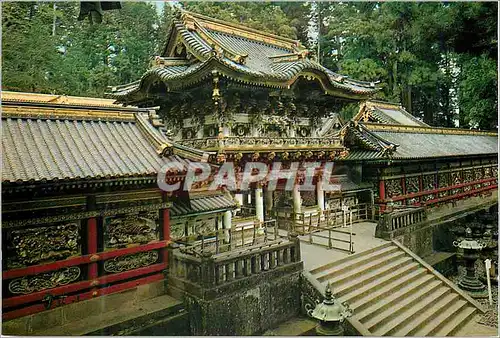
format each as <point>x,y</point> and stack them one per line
<point>434,58</point>
<point>477,97</point>
<point>265,16</point>
<point>80,59</point>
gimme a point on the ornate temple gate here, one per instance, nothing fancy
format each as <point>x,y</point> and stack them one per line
<point>116,242</point>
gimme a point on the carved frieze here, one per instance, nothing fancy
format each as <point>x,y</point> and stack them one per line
<point>283,198</point>
<point>443,181</point>
<point>478,174</point>
<point>44,281</point>
<point>178,229</point>
<point>130,262</point>
<point>412,185</point>
<point>456,179</point>
<point>468,176</point>
<point>122,230</point>
<point>487,172</point>
<point>204,225</point>
<point>308,198</point>
<point>42,244</point>
<point>412,201</point>
<point>429,182</point>
<point>393,187</point>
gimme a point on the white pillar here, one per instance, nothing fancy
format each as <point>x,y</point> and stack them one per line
<point>269,200</point>
<point>227,223</point>
<point>259,204</point>
<point>320,195</point>
<point>297,201</point>
<point>239,199</point>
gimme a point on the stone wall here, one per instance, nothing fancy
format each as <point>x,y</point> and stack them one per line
<point>260,303</point>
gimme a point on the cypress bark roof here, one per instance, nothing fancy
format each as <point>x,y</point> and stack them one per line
<point>413,142</point>
<point>45,141</point>
<point>242,54</point>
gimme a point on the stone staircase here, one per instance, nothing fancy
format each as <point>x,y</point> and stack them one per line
<point>393,292</point>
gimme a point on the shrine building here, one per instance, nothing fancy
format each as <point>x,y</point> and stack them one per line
<point>83,216</point>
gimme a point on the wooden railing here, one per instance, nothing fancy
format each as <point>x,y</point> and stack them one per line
<point>209,275</point>
<point>223,240</point>
<point>304,222</point>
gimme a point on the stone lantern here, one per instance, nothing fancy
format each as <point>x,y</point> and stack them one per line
<point>330,314</point>
<point>469,282</point>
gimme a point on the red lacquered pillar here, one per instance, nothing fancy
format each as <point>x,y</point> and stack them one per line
<point>381,190</point>
<point>166,231</point>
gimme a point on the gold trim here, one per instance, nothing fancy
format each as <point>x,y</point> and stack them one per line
<point>8,96</point>
<point>195,25</point>
<point>425,130</point>
<point>64,113</point>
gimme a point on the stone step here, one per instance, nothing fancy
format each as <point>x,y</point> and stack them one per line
<point>400,301</point>
<point>453,303</point>
<point>409,316</point>
<point>453,323</point>
<point>348,258</point>
<point>359,270</point>
<point>383,286</point>
<point>336,269</point>
<point>347,285</point>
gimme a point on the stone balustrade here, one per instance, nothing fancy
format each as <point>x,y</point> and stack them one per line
<point>393,223</point>
<point>209,275</point>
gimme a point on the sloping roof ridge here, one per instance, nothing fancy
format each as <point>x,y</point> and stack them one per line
<point>372,102</point>
<point>379,142</point>
<point>223,26</point>
<point>424,129</point>
<point>57,99</point>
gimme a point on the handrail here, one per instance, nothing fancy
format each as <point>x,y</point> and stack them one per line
<point>221,240</point>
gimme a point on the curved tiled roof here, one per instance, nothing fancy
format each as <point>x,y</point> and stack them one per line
<point>258,61</point>
<point>45,150</point>
<point>416,142</point>
<point>41,144</point>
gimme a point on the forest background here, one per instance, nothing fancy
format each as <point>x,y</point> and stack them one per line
<point>438,59</point>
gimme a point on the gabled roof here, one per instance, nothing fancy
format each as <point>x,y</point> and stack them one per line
<point>202,203</point>
<point>386,113</point>
<point>46,141</point>
<point>199,46</point>
<point>414,142</point>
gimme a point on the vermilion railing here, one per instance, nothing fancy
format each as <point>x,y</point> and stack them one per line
<point>437,191</point>
<point>92,282</point>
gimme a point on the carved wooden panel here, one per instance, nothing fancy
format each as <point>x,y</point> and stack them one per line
<point>456,179</point>
<point>308,198</point>
<point>393,187</point>
<point>130,262</point>
<point>178,228</point>
<point>412,185</point>
<point>44,281</point>
<point>138,228</point>
<point>42,244</point>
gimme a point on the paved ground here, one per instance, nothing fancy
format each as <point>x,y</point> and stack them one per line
<point>315,255</point>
